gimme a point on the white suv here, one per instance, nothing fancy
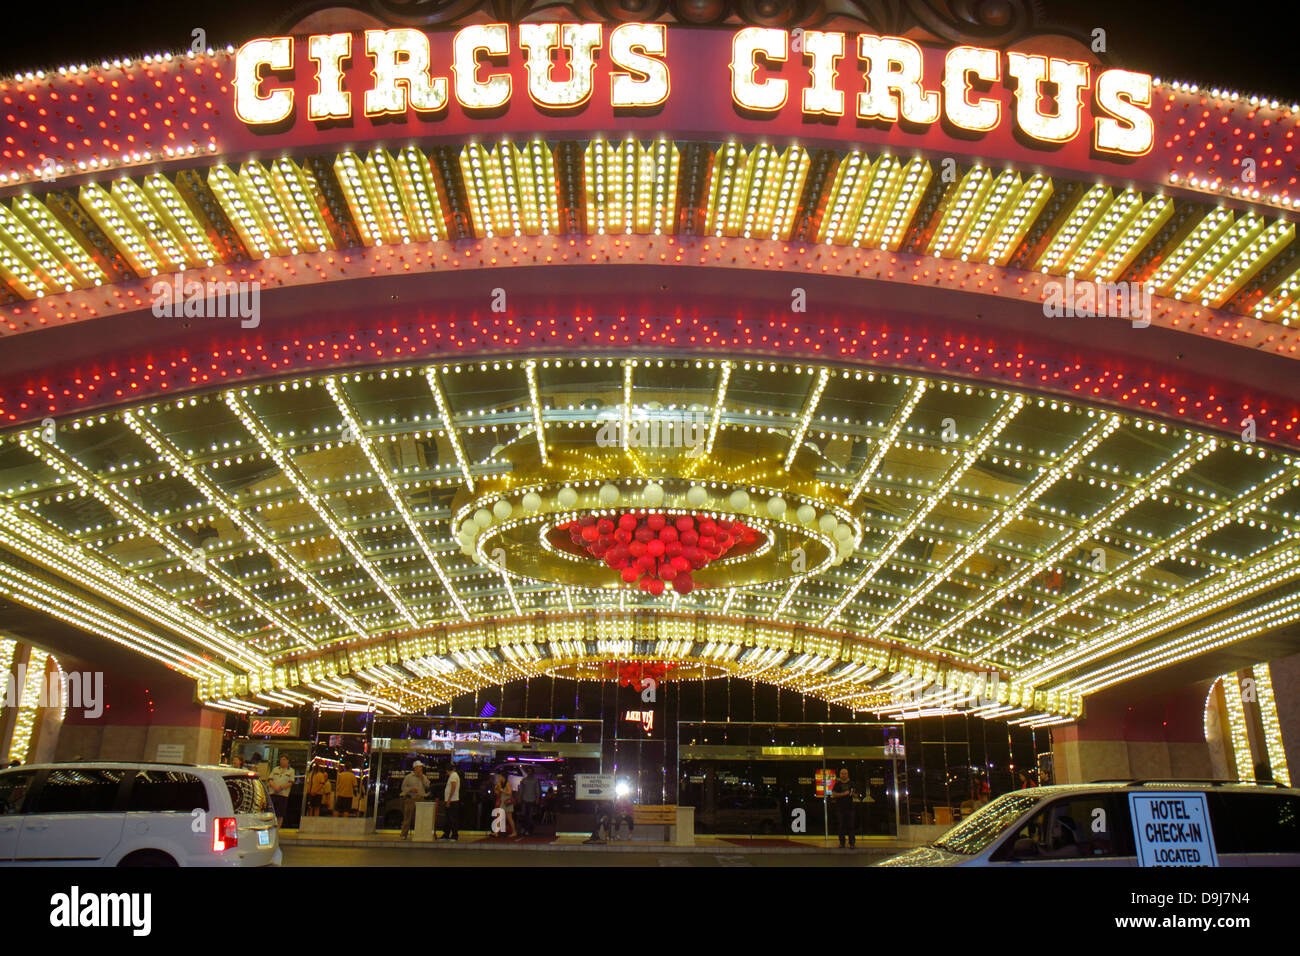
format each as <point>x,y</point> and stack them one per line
<point>104,813</point>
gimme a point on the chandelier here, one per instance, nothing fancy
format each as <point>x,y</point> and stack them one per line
<point>657,550</point>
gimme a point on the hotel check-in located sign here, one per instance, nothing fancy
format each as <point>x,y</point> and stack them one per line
<point>1172,829</point>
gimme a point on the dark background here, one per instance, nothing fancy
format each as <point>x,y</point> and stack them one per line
<point>1247,47</point>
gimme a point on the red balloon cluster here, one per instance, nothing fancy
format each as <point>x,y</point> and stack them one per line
<point>657,550</point>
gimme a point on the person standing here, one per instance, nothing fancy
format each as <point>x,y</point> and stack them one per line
<point>344,792</point>
<point>280,784</point>
<point>506,803</point>
<point>842,797</point>
<point>316,782</point>
<point>451,797</point>
<point>530,794</point>
<point>415,787</point>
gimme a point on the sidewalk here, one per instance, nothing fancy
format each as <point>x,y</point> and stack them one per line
<point>575,842</point>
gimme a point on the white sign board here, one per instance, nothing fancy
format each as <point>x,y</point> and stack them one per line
<point>1172,829</point>
<point>593,786</point>
<point>170,753</point>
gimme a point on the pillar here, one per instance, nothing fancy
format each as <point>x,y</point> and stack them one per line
<point>1160,736</point>
<point>141,719</point>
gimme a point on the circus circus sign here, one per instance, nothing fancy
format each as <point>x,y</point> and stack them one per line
<point>483,71</point>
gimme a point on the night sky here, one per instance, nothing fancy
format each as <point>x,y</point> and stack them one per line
<point>1246,46</point>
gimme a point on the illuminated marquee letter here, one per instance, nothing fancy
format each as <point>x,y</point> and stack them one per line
<point>329,101</point>
<point>581,41</point>
<point>494,40</point>
<point>250,105</point>
<point>1070,78</point>
<point>402,68</point>
<point>769,95</point>
<point>825,49</point>
<point>894,68</point>
<point>961,62</point>
<point>633,47</point>
<point>1129,128</point>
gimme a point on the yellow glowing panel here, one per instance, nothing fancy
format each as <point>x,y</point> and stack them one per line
<point>43,271</point>
<point>299,197</point>
<point>1230,244</point>
<point>887,226</point>
<point>726,182</point>
<point>1119,214</point>
<point>1087,212</point>
<point>133,246</point>
<point>1242,265</point>
<point>1123,244</point>
<point>145,220</point>
<point>356,191</point>
<point>43,224</point>
<point>229,193</point>
<point>1285,294</point>
<point>175,212</point>
<point>259,194</point>
<point>988,217</point>
<point>1011,231</point>
<point>420,194</point>
<point>959,211</point>
<point>1207,232</point>
<point>511,189</point>
<point>844,201</point>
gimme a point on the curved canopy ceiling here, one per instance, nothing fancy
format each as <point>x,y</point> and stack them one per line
<point>266,538</point>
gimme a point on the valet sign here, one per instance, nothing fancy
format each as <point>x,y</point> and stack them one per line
<point>813,77</point>
<point>1172,829</point>
<point>273,727</point>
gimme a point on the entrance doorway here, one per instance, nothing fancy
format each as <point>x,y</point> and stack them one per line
<point>771,782</point>
<point>481,748</point>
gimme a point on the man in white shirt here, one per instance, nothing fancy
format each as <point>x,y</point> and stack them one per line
<point>280,783</point>
<point>415,787</point>
<point>451,796</point>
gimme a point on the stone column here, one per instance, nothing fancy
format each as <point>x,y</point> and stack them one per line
<point>1160,736</point>
<point>154,719</point>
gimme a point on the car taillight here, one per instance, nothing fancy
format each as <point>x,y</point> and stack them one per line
<point>226,835</point>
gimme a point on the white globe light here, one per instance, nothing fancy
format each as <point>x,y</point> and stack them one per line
<point>532,501</point>
<point>468,527</point>
<point>776,506</point>
<point>827,523</point>
<point>567,497</point>
<point>653,494</point>
<point>739,500</point>
<point>696,497</point>
<point>502,509</point>
<point>845,549</point>
<point>843,532</point>
<point>609,495</point>
<point>482,517</point>
<point>806,513</point>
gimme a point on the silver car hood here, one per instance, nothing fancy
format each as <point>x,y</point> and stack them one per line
<point>925,856</point>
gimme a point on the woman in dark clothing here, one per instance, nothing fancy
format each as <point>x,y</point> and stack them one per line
<point>842,795</point>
